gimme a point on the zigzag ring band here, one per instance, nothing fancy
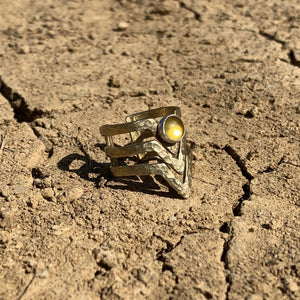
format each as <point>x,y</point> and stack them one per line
<point>158,141</point>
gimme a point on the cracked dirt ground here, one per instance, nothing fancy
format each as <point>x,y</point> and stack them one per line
<point>70,231</point>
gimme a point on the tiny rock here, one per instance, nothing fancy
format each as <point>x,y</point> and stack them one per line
<point>11,198</point>
<point>74,193</point>
<point>4,237</point>
<point>4,192</point>
<point>47,193</point>
<point>38,183</point>
<point>8,218</point>
<point>43,274</point>
<point>291,285</point>
<point>24,49</point>
<point>91,36</point>
<point>6,213</point>
<point>213,119</point>
<point>47,182</point>
<point>123,25</point>
<point>51,33</point>
<point>107,259</point>
<point>145,275</point>
<point>33,203</point>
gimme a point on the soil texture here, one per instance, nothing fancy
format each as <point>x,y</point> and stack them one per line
<point>69,230</point>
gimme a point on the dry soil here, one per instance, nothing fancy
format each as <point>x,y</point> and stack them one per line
<point>68,230</point>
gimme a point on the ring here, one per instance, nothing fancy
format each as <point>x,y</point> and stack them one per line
<point>158,141</point>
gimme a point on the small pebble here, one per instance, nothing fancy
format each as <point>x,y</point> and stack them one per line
<point>8,218</point>
<point>74,193</point>
<point>145,276</point>
<point>108,260</point>
<point>43,274</point>
<point>91,36</point>
<point>51,33</point>
<point>172,218</point>
<point>43,183</point>
<point>213,119</point>
<point>291,285</point>
<point>24,49</point>
<point>47,182</point>
<point>4,192</point>
<point>123,25</point>
<point>11,198</point>
<point>33,203</point>
<point>47,193</point>
<point>6,213</point>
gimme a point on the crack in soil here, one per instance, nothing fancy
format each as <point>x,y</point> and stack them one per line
<point>197,16</point>
<point>271,37</point>
<point>22,113</point>
<point>226,267</point>
<point>247,192</point>
<point>291,55</point>
<point>170,248</point>
<point>27,287</point>
<point>239,161</point>
<point>270,169</point>
<point>236,210</point>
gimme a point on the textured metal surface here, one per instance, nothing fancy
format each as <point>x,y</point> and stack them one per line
<point>173,162</point>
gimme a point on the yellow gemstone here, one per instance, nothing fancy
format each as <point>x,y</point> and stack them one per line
<point>174,128</point>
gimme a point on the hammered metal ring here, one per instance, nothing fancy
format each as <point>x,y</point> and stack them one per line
<point>158,141</point>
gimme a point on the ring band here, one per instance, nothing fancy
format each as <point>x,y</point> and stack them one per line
<point>166,147</point>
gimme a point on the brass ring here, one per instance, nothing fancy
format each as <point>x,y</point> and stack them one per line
<point>165,147</point>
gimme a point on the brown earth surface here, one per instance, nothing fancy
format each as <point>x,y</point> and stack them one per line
<point>68,230</point>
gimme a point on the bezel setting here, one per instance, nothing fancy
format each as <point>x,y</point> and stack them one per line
<point>162,130</point>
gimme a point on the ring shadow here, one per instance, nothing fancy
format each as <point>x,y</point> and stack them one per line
<point>144,184</point>
<point>90,167</point>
